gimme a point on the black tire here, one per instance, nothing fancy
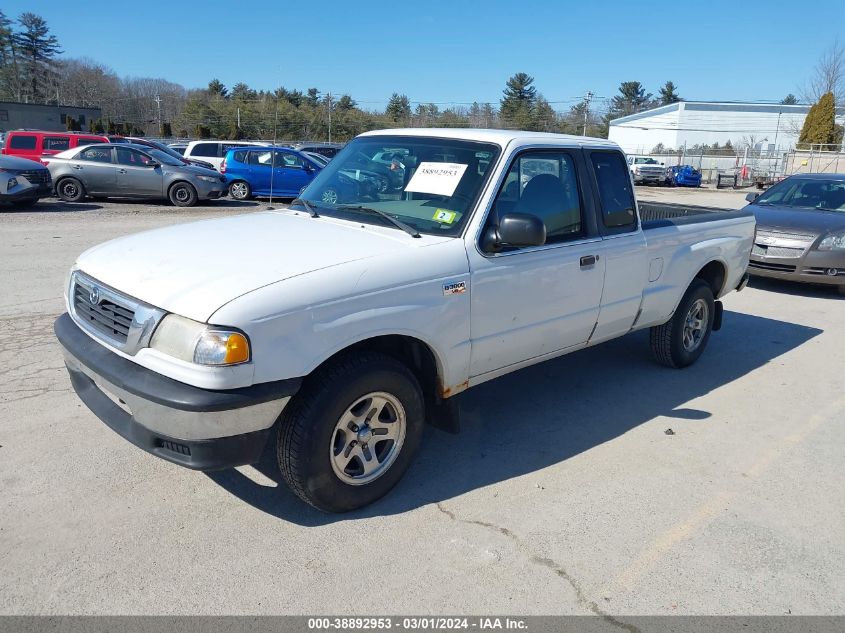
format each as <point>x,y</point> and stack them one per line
<point>70,190</point>
<point>182,194</point>
<point>668,341</point>
<point>307,429</point>
<point>842,290</point>
<point>240,190</point>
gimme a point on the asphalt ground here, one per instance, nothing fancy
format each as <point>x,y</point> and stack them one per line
<point>565,493</point>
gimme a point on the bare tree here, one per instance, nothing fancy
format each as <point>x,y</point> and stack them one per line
<point>828,76</point>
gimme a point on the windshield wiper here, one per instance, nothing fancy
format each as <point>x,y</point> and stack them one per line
<point>394,221</point>
<point>311,210</point>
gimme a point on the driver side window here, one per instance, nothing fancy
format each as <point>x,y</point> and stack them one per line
<point>544,184</point>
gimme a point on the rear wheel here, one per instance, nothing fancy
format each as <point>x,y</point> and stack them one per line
<point>348,437</point>
<point>70,190</point>
<point>680,341</point>
<point>240,190</point>
<point>183,194</point>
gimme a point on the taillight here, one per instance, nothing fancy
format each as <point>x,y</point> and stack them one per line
<point>223,167</point>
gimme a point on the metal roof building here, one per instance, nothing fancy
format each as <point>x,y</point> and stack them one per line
<point>767,126</point>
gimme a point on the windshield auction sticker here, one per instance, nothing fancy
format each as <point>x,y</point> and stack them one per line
<point>440,179</point>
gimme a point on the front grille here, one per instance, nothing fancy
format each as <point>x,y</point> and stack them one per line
<point>781,268</point>
<point>106,315</point>
<point>783,238</point>
<point>36,176</point>
<point>777,251</point>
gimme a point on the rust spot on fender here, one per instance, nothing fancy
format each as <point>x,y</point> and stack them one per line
<point>448,392</point>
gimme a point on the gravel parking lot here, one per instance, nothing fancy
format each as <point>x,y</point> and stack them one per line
<point>566,492</point>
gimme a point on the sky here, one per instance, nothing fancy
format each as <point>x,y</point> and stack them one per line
<point>455,52</point>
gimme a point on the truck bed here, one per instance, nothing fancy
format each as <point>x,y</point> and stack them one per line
<point>659,214</point>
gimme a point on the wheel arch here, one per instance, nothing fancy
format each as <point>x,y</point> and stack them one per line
<point>714,274</point>
<point>426,365</point>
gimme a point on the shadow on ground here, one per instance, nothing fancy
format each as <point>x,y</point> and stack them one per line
<point>795,288</point>
<point>547,413</point>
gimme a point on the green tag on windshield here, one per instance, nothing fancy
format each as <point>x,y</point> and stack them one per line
<point>444,216</point>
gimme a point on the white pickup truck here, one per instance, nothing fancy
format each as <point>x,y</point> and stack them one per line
<point>338,327</point>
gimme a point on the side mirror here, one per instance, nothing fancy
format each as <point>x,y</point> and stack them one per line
<point>515,229</point>
<point>751,197</point>
<point>308,167</point>
<point>152,165</point>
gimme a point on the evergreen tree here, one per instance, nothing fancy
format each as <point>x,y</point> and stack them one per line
<point>820,124</point>
<point>632,98</point>
<point>166,130</point>
<point>398,108</point>
<point>345,103</point>
<point>789,99</point>
<point>217,89</point>
<point>669,94</point>
<point>37,50</point>
<point>519,99</point>
<point>313,98</point>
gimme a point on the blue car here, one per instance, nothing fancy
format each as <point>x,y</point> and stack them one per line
<point>263,171</point>
<point>683,176</point>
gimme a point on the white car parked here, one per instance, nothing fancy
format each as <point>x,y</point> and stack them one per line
<point>215,151</point>
<point>337,330</point>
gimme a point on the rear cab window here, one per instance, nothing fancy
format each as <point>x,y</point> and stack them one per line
<point>23,141</point>
<point>205,149</point>
<point>615,193</point>
<point>56,143</point>
<point>96,154</point>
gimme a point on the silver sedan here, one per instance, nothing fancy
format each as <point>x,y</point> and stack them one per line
<point>130,171</point>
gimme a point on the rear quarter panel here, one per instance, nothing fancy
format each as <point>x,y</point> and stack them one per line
<point>678,252</point>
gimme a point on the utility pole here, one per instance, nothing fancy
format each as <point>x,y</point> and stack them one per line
<point>329,105</point>
<point>158,105</point>
<point>587,98</point>
<point>239,117</point>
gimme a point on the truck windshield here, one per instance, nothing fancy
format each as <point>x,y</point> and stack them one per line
<point>430,184</point>
<point>806,193</point>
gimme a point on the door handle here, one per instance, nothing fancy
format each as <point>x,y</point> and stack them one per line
<point>121,171</point>
<point>589,260</point>
<point>77,166</point>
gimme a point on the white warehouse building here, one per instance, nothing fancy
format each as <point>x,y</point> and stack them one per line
<point>768,126</point>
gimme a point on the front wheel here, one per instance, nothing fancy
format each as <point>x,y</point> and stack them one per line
<point>183,194</point>
<point>350,434</point>
<point>680,341</point>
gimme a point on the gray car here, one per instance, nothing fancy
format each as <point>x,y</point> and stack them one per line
<point>23,181</point>
<point>131,171</point>
<point>801,230</point>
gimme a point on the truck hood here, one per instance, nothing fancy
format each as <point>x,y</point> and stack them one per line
<point>193,269</point>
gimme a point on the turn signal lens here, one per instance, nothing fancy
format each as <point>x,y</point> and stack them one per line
<point>237,349</point>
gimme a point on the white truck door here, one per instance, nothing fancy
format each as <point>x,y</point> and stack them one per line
<point>533,301</point>
<point>624,247</point>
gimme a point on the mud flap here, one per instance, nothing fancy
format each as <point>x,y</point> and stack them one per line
<point>444,414</point>
<point>717,317</point>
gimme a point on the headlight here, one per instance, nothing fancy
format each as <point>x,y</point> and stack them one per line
<point>208,179</point>
<point>833,243</point>
<point>13,182</point>
<point>200,343</point>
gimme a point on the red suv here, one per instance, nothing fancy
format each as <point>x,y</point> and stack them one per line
<point>35,144</point>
